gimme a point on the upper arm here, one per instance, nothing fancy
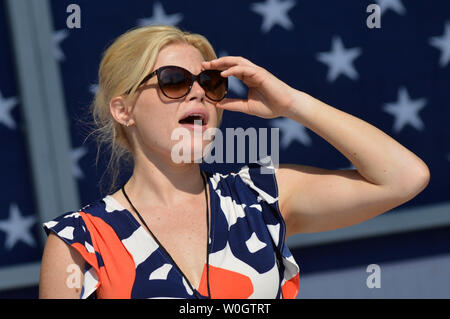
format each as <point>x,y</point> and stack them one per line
<point>314,199</point>
<point>61,270</point>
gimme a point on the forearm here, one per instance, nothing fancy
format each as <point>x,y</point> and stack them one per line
<point>377,157</point>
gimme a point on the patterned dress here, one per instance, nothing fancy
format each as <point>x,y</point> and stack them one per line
<point>248,256</point>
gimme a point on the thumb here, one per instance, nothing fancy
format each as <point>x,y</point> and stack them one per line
<point>237,105</point>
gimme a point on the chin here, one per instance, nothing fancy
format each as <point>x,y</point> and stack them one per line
<point>191,151</point>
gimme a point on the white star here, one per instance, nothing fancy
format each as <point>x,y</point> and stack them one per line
<point>339,60</point>
<point>405,111</point>
<point>75,155</point>
<point>58,37</point>
<point>93,88</point>
<point>291,130</point>
<point>443,44</point>
<point>6,106</point>
<point>274,12</point>
<point>17,228</point>
<point>234,84</point>
<point>394,5</point>
<point>160,17</point>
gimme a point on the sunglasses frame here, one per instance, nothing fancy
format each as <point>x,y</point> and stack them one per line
<point>192,80</point>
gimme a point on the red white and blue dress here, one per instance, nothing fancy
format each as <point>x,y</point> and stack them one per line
<point>248,257</point>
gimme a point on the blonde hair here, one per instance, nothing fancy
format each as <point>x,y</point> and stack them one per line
<point>124,65</point>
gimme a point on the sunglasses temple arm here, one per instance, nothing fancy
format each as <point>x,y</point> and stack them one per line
<point>148,77</point>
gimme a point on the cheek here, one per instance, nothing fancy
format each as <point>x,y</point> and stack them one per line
<point>154,121</point>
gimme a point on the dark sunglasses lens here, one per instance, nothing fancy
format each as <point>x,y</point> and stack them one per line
<point>174,82</point>
<point>214,84</point>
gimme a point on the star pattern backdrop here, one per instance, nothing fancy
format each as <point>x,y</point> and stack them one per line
<point>19,235</point>
<point>395,77</point>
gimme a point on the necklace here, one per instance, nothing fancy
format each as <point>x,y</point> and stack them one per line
<point>167,253</point>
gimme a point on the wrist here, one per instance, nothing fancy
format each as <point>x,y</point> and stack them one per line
<point>299,103</point>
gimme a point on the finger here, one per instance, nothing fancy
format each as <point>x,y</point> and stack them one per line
<point>239,71</point>
<point>225,62</point>
<point>236,105</point>
<point>247,74</point>
<point>218,65</point>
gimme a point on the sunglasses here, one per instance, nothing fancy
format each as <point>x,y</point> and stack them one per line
<point>176,82</point>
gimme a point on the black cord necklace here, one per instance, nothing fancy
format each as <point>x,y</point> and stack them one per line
<point>167,253</point>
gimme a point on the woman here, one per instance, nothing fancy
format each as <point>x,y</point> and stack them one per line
<point>148,239</point>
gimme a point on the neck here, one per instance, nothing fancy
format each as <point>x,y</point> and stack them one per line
<point>161,181</point>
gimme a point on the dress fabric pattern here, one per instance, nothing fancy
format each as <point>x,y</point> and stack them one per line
<point>248,256</point>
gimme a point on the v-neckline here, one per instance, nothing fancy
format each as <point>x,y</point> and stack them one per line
<point>164,251</point>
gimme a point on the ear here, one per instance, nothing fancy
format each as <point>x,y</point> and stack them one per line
<point>121,110</point>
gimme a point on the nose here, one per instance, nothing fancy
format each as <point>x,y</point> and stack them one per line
<point>196,92</point>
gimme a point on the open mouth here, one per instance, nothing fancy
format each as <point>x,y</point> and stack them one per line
<point>193,119</point>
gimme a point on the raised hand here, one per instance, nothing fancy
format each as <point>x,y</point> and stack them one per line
<point>268,97</point>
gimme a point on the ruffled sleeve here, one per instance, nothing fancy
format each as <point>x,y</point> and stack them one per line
<point>260,178</point>
<point>71,228</point>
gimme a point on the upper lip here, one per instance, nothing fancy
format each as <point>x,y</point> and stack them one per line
<point>196,111</point>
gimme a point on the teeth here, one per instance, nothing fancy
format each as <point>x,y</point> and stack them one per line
<point>196,114</point>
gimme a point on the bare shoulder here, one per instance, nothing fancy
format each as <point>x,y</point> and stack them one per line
<point>61,270</point>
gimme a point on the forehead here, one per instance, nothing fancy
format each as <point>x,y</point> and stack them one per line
<point>180,54</point>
